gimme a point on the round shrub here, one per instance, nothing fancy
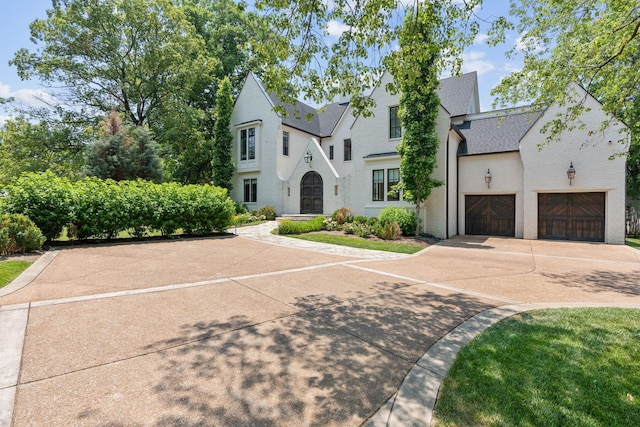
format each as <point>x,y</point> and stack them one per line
<point>19,234</point>
<point>406,219</point>
<point>268,212</point>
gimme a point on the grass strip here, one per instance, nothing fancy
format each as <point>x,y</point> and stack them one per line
<point>564,367</point>
<point>9,270</point>
<point>634,242</point>
<point>354,242</point>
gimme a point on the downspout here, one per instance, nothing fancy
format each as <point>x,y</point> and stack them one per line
<point>446,186</point>
<point>457,192</point>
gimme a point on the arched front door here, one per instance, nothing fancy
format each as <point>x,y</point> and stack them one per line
<point>311,193</point>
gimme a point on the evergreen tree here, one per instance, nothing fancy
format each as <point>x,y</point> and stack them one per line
<point>108,157</point>
<point>123,154</point>
<point>144,155</point>
<point>221,163</point>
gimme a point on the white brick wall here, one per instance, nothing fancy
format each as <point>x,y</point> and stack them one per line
<point>545,170</point>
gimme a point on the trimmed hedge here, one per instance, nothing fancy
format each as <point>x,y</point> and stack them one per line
<point>45,198</point>
<point>96,208</point>
<point>286,226</point>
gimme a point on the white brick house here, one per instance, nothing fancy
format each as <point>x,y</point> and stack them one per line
<point>335,160</point>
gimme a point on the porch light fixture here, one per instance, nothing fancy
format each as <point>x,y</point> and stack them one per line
<point>487,178</point>
<point>571,173</point>
<point>308,157</point>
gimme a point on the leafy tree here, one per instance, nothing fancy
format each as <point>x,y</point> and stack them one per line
<point>27,146</point>
<point>123,55</point>
<point>414,67</point>
<point>222,163</point>
<point>296,49</point>
<point>142,58</point>
<point>188,121</point>
<point>633,157</point>
<point>595,43</point>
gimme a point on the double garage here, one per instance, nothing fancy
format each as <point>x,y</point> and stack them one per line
<point>561,216</point>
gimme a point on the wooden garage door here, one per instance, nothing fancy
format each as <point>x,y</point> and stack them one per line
<point>571,216</point>
<point>491,215</point>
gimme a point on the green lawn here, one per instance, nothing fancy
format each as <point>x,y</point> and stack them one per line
<point>9,270</point>
<point>354,242</point>
<point>634,242</point>
<point>565,367</point>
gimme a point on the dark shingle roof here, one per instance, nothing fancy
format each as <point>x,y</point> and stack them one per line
<point>301,116</point>
<point>329,116</point>
<point>455,93</point>
<point>495,134</point>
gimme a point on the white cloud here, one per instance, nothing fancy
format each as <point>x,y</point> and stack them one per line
<point>511,67</point>
<point>335,28</point>
<point>528,44</point>
<point>480,38</point>
<point>27,97</point>
<point>474,61</point>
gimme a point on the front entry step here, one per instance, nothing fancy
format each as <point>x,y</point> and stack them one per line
<point>297,217</point>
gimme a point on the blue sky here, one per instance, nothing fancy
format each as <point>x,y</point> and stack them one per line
<point>490,63</point>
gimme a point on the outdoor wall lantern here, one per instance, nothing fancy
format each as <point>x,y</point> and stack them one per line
<point>308,157</point>
<point>487,178</point>
<point>571,173</point>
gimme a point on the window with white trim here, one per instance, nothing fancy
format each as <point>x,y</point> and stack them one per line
<point>331,152</point>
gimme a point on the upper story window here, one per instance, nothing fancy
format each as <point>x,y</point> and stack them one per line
<point>248,144</point>
<point>331,152</point>
<point>285,143</point>
<point>395,128</point>
<point>347,150</point>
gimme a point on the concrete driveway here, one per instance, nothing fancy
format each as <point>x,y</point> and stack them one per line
<point>259,330</point>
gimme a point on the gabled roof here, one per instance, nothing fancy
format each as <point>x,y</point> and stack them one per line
<point>456,93</point>
<point>329,116</point>
<point>495,132</point>
<point>320,123</point>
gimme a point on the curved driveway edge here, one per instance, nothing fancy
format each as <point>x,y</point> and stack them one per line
<point>414,402</point>
<point>30,273</point>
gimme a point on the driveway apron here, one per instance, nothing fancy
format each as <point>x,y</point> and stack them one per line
<point>257,329</point>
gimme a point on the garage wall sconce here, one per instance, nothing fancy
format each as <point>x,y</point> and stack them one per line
<point>487,178</point>
<point>308,157</point>
<point>571,173</point>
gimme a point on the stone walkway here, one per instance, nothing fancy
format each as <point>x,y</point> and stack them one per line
<point>263,233</point>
